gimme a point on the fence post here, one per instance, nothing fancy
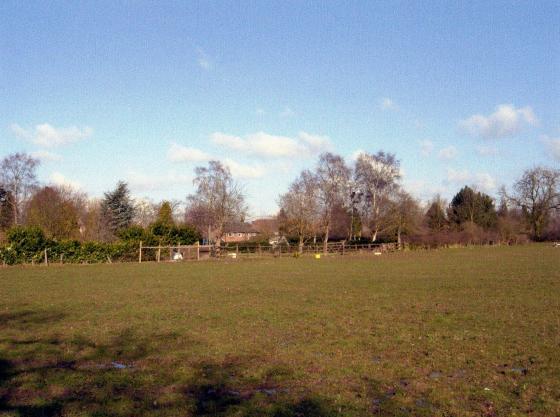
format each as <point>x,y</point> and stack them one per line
<point>198,251</point>
<point>159,252</point>
<point>140,253</point>
<point>46,257</point>
<point>343,244</point>
<point>236,251</point>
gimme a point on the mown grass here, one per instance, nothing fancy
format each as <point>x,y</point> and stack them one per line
<point>458,332</point>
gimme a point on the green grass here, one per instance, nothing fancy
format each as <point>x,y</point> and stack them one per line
<point>457,332</point>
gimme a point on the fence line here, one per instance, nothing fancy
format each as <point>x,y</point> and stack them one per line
<point>197,252</point>
<point>201,252</point>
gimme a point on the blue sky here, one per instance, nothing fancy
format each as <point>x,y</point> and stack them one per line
<point>462,92</point>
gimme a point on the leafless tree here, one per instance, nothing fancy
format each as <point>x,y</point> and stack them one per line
<point>537,193</point>
<point>404,214</point>
<point>17,176</point>
<point>53,209</point>
<point>332,181</point>
<point>375,177</point>
<point>218,199</point>
<point>145,212</point>
<point>300,207</point>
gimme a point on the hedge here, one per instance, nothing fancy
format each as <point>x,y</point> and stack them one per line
<point>27,244</point>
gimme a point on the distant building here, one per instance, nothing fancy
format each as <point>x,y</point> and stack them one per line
<point>240,232</point>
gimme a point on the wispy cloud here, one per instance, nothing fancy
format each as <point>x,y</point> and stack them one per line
<point>141,182</point>
<point>57,178</point>
<point>388,104</point>
<point>265,145</point>
<point>486,150</point>
<point>481,180</point>
<point>287,112</point>
<point>552,146</point>
<point>46,156</point>
<point>426,147</point>
<point>244,170</point>
<point>48,136</point>
<point>506,121</point>
<point>180,153</point>
<point>448,153</point>
<point>203,59</point>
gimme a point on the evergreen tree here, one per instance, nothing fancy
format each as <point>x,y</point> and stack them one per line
<point>435,216</point>
<point>117,208</point>
<point>165,214</point>
<point>6,211</point>
<point>469,206</point>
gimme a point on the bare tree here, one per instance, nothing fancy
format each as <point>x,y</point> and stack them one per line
<point>537,193</point>
<point>375,177</point>
<point>300,206</point>
<point>404,214</point>
<point>18,177</point>
<point>55,212</point>
<point>332,179</point>
<point>218,199</point>
<point>145,212</point>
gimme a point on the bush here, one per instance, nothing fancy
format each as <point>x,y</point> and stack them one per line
<point>27,244</point>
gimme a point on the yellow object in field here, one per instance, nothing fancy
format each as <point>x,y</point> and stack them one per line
<point>317,256</point>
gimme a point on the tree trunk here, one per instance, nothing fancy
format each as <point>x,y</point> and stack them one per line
<point>326,240</point>
<point>300,245</point>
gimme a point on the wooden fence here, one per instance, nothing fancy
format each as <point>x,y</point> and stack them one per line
<point>202,252</point>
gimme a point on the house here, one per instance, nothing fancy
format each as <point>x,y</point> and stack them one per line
<point>239,232</point>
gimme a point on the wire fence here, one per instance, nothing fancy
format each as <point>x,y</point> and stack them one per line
<point>196,252</point>
<point>203,252</point>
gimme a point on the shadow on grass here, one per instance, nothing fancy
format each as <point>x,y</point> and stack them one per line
<point>129,375</point>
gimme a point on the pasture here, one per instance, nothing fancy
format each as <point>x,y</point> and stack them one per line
<point>455,332</point>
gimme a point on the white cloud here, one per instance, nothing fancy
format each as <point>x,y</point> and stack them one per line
<point>58,179</point>
<point>202,59</point>
<point>504,122</point>
<point>265,145</point>
<point>287,112</point>
<point>180,153</point>
<point>454,176</point>
<point>486,151</point>
<point>315,143</point>
<point>426,147</point>
<point>482,180</point>
<point>48,136</point>
<point>388,104</point>
<point>448,153</point>
<point>244,171</point>
<point>141,182</point>
<point>485,181</point>
<point>424,190</point>
<point>553,146</point>
<point>46,156</point>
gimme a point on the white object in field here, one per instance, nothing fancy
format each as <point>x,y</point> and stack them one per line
<point>233,255</point>
<point>177,256</point>
<point>377,253</point>
<point>557,244</point>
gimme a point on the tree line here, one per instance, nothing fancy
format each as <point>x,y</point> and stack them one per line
<point>364,201</point>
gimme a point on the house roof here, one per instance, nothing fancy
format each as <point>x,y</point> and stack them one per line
<point>240,228</point>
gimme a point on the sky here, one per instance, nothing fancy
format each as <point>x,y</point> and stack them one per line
<point>101,91</point>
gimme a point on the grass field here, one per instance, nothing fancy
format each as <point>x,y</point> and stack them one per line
<point>456,332</point>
